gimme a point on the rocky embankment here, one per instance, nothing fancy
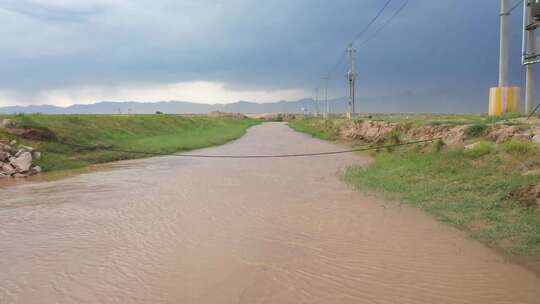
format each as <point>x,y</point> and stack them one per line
<point>378,132</point>
<point>16,160</point>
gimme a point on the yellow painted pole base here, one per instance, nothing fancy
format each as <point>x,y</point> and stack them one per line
<point>504,100</point>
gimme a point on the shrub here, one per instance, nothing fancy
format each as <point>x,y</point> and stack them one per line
<point>392,138</point>
<point>480,149</point>
<point>520,148</point>
<point>438,146</point>
<point>475,130</point>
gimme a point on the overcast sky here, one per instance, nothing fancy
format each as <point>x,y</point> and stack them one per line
<point>438,54</point>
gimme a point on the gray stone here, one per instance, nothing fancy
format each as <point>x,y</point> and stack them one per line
<point>5,147</point>
<point>20,175</point>
<point>536,139</point>
<point>13,143</point>
<point>4,156</point>
<point>7,123</point>
<point>7,169</point>
<point>2,175</point>
<point>26,148</point>
<point>23,162</point>
<point>36,170</point>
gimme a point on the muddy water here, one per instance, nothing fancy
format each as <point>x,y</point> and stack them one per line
<point>178,230</point>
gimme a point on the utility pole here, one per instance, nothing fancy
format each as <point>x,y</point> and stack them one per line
<point>529,53</point>
<point>504,46</point>
<point>351,77</point>
<point>317,102</point>
<point>326,95</point>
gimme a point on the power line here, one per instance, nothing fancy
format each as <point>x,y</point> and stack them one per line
<point>385,24</point>
<point>357,36</point>
<point>518,3</point>
<point>371,22</point>
<point>256,156</point>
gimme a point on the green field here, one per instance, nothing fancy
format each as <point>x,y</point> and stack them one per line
<point>149,133</point>
<point>480,190</point>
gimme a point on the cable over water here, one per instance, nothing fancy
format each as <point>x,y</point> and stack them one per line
<point>260,156</point>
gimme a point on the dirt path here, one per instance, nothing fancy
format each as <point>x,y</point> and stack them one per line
<point>178,230</point>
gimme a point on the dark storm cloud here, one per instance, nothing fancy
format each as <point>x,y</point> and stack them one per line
<point>443,53</point>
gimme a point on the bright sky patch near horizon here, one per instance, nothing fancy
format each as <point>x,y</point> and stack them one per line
<point>435,54</point>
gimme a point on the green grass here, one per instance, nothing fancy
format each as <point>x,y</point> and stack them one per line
<point>469,188</point>
<point>520,148</point>
<point>151,133</point>
<point>476,130</point>
<point>327,129</point>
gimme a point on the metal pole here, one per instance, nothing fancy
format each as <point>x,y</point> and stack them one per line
<point>530,51</point>
<point>351,76</point>
<point>504,46</point>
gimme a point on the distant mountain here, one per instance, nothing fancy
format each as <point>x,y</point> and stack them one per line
<point>179,107</point>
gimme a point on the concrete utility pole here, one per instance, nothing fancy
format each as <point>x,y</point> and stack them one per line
<point>317,108</point>
<point>326,95</point>
<point>504,46</point>
<point>351,77</point>
<point>529,41</point>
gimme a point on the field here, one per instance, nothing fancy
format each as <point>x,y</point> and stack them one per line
<point>59,137</point>
<point>489,190</point>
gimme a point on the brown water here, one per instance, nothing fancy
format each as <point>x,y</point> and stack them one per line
<point>178,230</point>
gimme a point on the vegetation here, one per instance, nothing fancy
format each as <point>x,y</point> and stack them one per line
<point>58,136</point>
<point>477,188</point>
<point>476,130</point>
<point>470,189</point>
<point>327,129</point>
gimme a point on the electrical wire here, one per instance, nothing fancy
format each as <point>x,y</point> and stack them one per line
<point>363,43</point>
<point>518,3</point>
<point>357,36</point>
<point>255,156</point>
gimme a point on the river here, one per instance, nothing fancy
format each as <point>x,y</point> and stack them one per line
<point>184,230</point>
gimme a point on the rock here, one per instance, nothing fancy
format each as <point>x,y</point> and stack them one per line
<point>25,148</point>
<point>471,146</point>
<point>502,133</point>
<point>13,143</point>
<point>7,169</point>
<point>36,170</point>
<point>23,162</point>
<point>7,123</point>
<point>20,175</point>
<point>4,156</point>
<point>7,148</point>
<point>36,155</point>
<point>371,131</point>
<point>536,139</point>
<point>2,175</point>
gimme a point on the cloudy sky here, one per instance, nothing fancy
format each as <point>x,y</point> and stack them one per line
<point>437,54</point>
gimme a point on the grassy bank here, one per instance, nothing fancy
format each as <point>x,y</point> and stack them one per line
<point>327,129</point>
<point>483,189</point>
<point>153,133</point>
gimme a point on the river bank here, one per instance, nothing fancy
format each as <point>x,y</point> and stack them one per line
<point>482,177</point>
<point>76,141</point>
